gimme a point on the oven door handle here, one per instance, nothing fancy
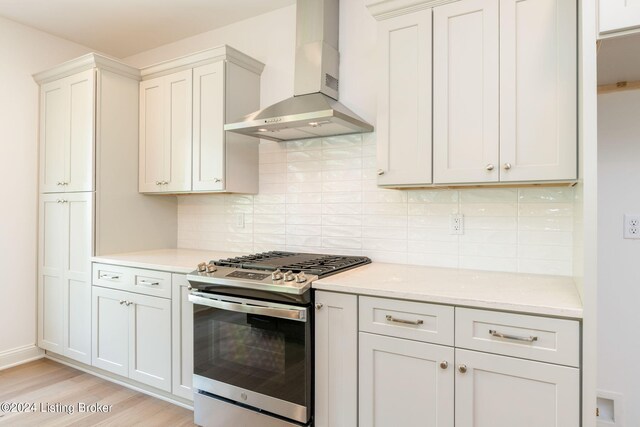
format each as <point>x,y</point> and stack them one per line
<point>293,313</point>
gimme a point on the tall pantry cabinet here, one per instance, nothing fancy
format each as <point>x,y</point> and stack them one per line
<point>89,202</point>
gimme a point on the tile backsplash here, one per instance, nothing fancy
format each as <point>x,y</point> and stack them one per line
<point>321,195</point>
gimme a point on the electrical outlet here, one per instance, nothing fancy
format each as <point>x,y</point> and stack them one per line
<point>631,226</point>
<point>240,220</point>
<point>456,224</point>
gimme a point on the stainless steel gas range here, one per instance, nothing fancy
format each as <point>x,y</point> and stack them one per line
<point>253,337</point>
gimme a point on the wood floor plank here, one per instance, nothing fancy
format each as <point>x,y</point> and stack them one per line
<point>47,382</point>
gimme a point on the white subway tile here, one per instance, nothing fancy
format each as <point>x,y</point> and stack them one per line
<point>295,198</point>
<point>342,197</point>
<point>341,208</point>
<point>341,231</point>
<point>342,186</point>
<point>433,196</point>
<point>303,156</point>
<point>308,166</point>
<point>489,195</point>
<point>394,245</point>
<point>489,263</point>
<point>305,144</point>
<point>433,260</point>
<point>269,209</point>
<point>341,164</point>
<point>385,232</point>
<point>385,196</point>
<point>342,175</point>
<point>546,195</point>
<point>294,240</point>
<point>350,220</point>
<point>304,219</point>
<point>341,242</point>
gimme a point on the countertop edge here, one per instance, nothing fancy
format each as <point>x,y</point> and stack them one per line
<point>141,264</point>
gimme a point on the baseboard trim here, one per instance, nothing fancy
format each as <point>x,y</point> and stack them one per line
<point>20,355</point>
<point>125,383</point>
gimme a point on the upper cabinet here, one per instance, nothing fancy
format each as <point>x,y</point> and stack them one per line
<point>184,105</point>
<point>618,17</point>
<point>504,92</point>
<point>67,133</point>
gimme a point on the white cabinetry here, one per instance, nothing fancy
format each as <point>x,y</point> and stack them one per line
<point>336,360</point>
<point>404,104</point>
<point>405,383</point>
<point>132,336</point>
<point>67,133</point>
<point>64,278</point>
<point>618,16</point>
<point>184,105</point>
<point>182,336</point>
<point>498,391</point>
<point>165,133</point>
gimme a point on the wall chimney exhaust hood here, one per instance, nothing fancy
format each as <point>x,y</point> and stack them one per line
<point>314,110</point>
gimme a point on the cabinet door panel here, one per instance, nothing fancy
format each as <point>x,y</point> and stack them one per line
<point>404,105</point>
<point>465,82</point>
<point>538,90</point>
<point>182,334</point>
<point>52,241</point>
<point>336,365</point>
<point>54,115</point>
<point>499,391</point>
<point>618,15</point>
<point>150,340</point>
<point>77,301</point>
<point>177,154</point>
<point>80,145</point>
<point>402,383</point>
<point>152,130</point>
<point>110,338</point>
<point>208,127</point>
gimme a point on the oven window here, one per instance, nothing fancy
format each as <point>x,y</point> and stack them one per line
<point>263,354</point>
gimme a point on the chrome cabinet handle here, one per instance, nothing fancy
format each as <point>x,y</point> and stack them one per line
<point>319,306</point>
<point>462,369</point>
<point>444,364</point>
<point>489,167</point>
<point>122,301</point>
<point>128,303</point>
<point>147,282</point>
<point>217,180</point>
<point>390,318</point>
<point>380,172</point>
<point>61,201</point>
<point>512,337</point>
<point>165,182</point>
<point>109,276</point>
<point>507,166</point>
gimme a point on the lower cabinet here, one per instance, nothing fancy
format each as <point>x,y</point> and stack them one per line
<point>336,360</point>
<point>405,383</point>
<point>182,334</point>
<point>499,391</point>
<point>132,336</point>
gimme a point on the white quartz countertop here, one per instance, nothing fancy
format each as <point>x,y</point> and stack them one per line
<point>172,260</point>
<point>527,293</point>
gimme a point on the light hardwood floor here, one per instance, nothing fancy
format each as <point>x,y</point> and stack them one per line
<point>44,381</point>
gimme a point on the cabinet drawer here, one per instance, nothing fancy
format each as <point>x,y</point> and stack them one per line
<point>528,337</point>
<point>406,319</point>
<point>139,280</point>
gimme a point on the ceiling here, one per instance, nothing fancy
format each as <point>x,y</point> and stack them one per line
<point>125,27</point>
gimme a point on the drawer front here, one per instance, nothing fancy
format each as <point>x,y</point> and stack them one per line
<point>406,319</point>
<point>138,280</point>
<point>519,335</point>
<point>112,276</point>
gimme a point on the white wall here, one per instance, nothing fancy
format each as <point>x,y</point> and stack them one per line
<point>322,196</point>
<point>618,281</point>
<point>23,51</point>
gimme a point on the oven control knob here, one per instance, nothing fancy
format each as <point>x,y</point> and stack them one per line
<point>277,275</point>
<point>211,268</point>
<point>202,267</point>
<point>301,278</point>
<point>288,276</point>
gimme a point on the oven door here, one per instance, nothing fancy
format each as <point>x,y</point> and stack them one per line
<point>253,352</point>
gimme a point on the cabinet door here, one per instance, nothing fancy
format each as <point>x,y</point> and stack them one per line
<point>52,243</point>
<point>79,156</point>
<point>618,15</point>
<point>405,383</point>
<point>182,334</point>
<point>499,391</point>
<point>208,127</point>
<point>110,338</point>
<point>336,360</point>
<point>538,90</point>
<point>150,340</point>
<point>77,276</point>
<point>465,97</point>
<point>152,129</point>
<point>54,114</point>
<point>177,146</point>
<point>404,104</point>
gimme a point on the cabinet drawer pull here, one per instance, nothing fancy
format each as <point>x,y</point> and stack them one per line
<point>380,172</point>
<point>148,282</point>
<point>109,276</point>
<point>390,318</point>
<point>512,337</point>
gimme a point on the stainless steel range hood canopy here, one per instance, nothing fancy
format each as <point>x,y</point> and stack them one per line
<point>314,110</point>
